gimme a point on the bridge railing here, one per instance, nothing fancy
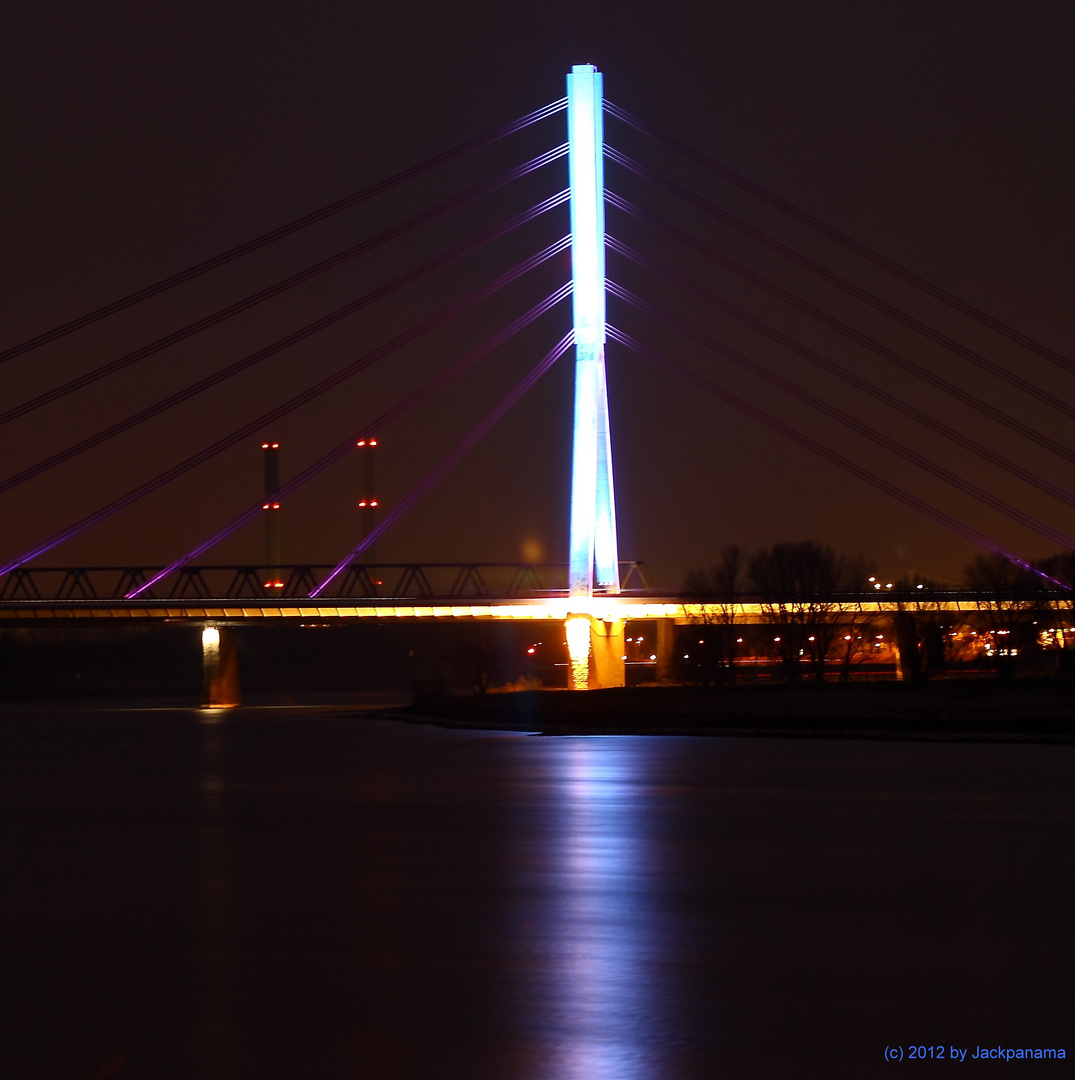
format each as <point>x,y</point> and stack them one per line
<point>908,598</point>
<point>402,580</point>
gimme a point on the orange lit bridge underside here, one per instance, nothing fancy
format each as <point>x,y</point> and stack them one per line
<point>26,612</point>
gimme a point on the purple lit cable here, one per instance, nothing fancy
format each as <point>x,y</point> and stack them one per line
<point>285,230</point>
<point>344,448</point>
<point>277,346</point>
<point>291,282</point>
<point>831,456</point>
<point>861,383</point>
<point>851,422</point>
<point>282,410</point>
<point>925,374</point>
<point>449,462</point>
<point>842,238</point>
<point>993,368</point>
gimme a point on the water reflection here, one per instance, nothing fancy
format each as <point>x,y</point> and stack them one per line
<point>214,951</point>
<point>282,895</point>
<point>604,942</point>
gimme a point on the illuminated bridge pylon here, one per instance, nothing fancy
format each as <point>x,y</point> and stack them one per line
<point>595,639</point>
<point>593,555</point>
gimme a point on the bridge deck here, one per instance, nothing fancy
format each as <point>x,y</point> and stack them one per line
<point>558,608</point>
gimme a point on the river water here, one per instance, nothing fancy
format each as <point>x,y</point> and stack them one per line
<point>293,892</point>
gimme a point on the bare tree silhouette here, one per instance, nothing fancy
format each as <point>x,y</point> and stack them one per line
<point>1010,596</point>
<point>799,586</point>
<point>714,594</point>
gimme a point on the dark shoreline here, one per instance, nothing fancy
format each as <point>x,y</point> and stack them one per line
<point>1035,711</point>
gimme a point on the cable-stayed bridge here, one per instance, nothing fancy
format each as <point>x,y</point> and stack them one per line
<point>593,591</point>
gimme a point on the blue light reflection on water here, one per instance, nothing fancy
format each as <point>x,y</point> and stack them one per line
<point>281,895</point>
<point>602,937</point>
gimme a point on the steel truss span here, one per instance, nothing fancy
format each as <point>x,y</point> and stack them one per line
<point>425,581</point>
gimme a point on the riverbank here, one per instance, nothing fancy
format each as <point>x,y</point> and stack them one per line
<point>1034,711</point>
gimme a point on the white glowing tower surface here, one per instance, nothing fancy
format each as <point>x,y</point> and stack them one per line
<point>594,561</point>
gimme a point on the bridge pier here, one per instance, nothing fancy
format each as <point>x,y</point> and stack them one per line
<point>607,649</point>
<point>596,650</point>
<point>666,650</point>
<point>220,668</point>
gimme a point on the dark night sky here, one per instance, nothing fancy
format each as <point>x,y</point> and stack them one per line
<point>139,139</point>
